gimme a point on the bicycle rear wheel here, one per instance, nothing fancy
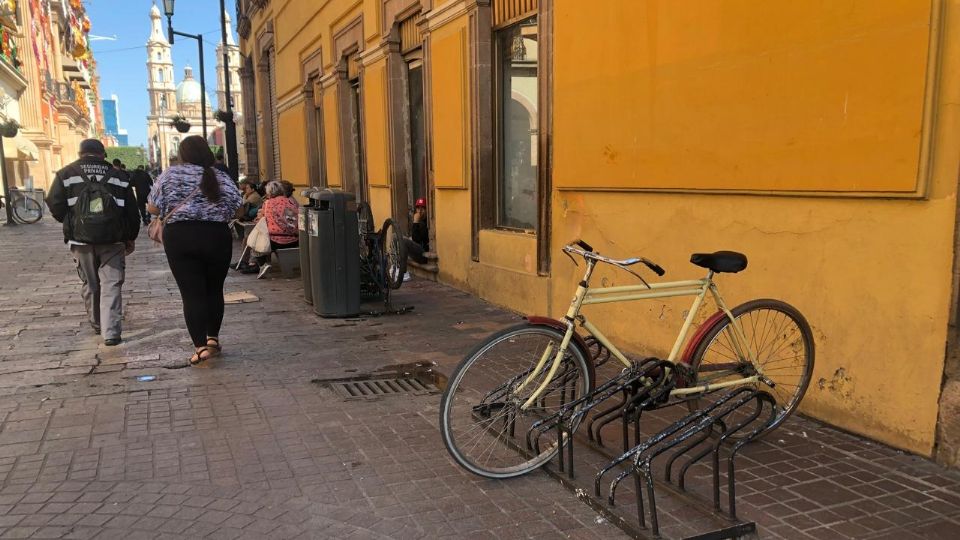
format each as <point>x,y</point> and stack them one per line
<point>26,210</point>
<point>781,341</point>
<point>481,421</point>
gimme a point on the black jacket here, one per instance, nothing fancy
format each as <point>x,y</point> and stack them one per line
<point>143,184</point>
<point>67,186</point>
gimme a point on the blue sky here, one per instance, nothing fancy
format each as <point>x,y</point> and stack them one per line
<point>122,62</point>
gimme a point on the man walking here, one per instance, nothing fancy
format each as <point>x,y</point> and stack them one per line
<point>98,209</point>
<point>143,184</point>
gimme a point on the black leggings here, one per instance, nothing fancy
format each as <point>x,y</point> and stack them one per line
<point>199,255</point>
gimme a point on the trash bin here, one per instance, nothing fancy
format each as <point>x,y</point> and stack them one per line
<point>303,221</point>
<point>334,254</point>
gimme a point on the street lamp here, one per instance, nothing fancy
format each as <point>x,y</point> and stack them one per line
<point>168,10</point>
<point>230,127</point>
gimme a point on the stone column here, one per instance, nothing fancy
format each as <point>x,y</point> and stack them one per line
<point>248,84</point>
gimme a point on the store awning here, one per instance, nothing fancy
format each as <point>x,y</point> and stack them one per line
<point>20,148</point>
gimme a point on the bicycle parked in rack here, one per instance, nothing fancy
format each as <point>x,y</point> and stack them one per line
<point>502,395</point>
<point>25,210</point>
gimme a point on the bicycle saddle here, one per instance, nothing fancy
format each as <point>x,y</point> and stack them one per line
<point>720,261</point>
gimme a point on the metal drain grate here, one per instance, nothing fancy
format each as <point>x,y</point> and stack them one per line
<point>373,388</point>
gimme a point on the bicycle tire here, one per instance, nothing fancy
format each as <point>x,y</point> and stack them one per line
<point>365,227</point>
<point>512,459</point>
<point>26,210</point>
<point>394,254</point>
<point>795,331</point>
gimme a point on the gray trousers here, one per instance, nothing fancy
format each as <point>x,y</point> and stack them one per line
<point>101,268</point>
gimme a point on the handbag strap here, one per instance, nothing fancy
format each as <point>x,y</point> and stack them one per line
<point>183,202</point>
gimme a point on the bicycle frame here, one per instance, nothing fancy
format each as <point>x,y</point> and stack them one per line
<point>587,296</point>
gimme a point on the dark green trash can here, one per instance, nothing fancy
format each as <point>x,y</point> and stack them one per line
<point>302,225</point>
<point>334,254</point>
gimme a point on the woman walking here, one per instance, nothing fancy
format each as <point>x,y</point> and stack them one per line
<point>197,201</point>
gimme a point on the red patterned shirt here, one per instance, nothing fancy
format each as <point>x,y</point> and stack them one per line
<point>281,215</point>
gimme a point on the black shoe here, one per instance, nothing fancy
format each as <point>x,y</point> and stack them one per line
<point>250,269</point>
<point>95,329</point>
<point>239,266</point>
<point>110,342</point>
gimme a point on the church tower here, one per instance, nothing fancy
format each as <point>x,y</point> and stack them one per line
<point>233,54</point>
<point>159,69</point>
<point>160,89</point>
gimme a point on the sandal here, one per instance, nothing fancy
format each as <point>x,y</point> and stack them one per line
<point>199,358</point>
<point>215,346</point>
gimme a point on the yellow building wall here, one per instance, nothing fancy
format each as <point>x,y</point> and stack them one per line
<point>375,123</point>
<point>759,98</point>
<point>293,157</point>
<point>331,137</point>
<point>771,97</point>
<point>449,90</point>
<point>506,273</point>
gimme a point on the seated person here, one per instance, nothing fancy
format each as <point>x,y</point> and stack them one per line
<point>420,232</point>
<point>251,201</point>
<point>251,205</point>
<point>288,188</point>
<point>281,213</point>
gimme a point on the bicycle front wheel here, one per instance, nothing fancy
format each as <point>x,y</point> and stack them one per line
<point>482,421</point>
<point>26,210</point>
<point>777,336</point>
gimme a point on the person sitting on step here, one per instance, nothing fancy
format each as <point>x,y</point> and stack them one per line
<point>281,213</point>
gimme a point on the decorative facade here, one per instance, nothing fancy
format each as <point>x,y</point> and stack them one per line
<point>59,105</point>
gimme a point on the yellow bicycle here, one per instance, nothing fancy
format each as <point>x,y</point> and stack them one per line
<point>524,374</point>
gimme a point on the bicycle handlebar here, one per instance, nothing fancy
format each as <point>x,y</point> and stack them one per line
<point>585,250</point>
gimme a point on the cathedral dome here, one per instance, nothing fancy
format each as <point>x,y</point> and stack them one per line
<point>188,91</point>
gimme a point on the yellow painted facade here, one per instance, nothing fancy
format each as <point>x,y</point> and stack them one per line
<point>823,142</point>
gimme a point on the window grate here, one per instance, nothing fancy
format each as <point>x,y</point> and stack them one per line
<point>375,388</point>
<point>410,36</point>
<point>508,11</point>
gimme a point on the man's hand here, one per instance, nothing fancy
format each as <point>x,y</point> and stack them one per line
<point>130,246</point>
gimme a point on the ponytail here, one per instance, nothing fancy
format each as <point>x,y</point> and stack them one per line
<point>209,185</point>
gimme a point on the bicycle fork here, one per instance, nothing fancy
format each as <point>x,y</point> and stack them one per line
<point>568,319</point>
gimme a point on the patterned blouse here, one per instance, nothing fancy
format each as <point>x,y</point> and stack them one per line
<point>178,181</point>
<point>281,215</point>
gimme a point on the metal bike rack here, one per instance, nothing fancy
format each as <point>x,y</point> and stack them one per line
<point>688,433</point>
<point>640,381</point>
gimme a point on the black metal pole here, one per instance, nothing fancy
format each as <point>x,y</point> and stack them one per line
<point>6,189</point>
<point>203,88</point>
<point>230,127</point>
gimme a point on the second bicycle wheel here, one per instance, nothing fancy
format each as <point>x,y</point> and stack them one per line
<point>481,417</point>
<point>780,339</point>
<point>26,210</point>
<point>395,254</point>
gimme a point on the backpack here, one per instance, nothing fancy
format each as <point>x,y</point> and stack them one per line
<point>96,216</point>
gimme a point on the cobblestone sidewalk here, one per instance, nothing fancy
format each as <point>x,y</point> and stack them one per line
<point>257,447</point>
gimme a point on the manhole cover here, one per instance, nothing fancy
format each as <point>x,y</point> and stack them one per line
<point>374,388</point>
